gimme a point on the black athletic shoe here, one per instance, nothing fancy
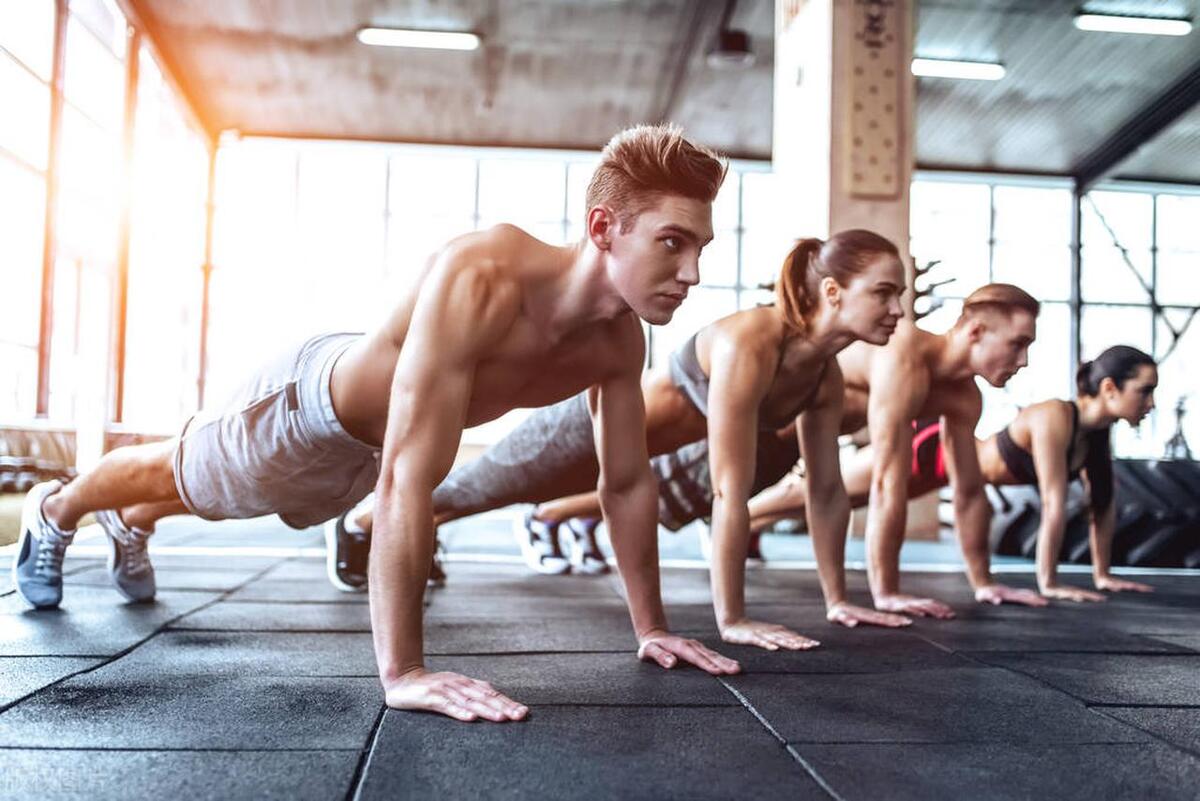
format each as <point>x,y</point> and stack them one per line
<point>346,555</point>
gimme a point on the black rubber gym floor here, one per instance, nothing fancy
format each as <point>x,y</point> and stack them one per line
<point>251,677</point>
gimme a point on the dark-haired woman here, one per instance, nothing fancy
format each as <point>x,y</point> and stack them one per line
<point>734,382</point>
<point>1047,445</point>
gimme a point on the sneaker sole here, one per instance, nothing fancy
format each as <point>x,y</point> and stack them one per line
<point>548,566</point>
<point>331,538</point>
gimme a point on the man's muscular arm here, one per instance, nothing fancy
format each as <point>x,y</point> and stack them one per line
<point>899,384</point>
<point>427,409</point>
<point>629,497</point>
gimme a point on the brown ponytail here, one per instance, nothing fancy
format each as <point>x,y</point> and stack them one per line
<point>793,292</point>
<point>843,256</point>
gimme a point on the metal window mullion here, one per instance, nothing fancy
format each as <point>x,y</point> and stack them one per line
<point>124,226</point>
<point>49,222</point>
<point>1154,275</point>
<point>1076,299</point>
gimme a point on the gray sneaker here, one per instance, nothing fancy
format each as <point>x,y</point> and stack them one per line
<point>128,563</point>
<point>37,569</point>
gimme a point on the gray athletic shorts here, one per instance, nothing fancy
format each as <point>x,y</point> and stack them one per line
<point>277,447</point>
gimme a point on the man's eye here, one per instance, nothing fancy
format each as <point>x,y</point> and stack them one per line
<point>672,243</point>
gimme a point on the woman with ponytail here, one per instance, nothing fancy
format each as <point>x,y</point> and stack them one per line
<point>736,382</point>
<point>1047,445</point>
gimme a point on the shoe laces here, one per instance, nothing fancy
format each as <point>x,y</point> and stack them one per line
<point>136,558</point>
<point>52,546</point>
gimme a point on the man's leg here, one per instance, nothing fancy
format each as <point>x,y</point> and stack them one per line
<point>126,477</point>
<point>550,454</point>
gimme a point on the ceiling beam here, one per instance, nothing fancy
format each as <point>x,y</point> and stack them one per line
<point>691,27</point>
<point>1140,128</point>
<point>172,73</point>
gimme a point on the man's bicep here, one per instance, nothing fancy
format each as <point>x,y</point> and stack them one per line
<point>619,427</point>
<point>962,456</point>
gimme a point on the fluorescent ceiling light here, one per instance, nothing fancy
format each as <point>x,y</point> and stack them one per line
<point>968,70</point>
<point>435,40</point>
<point>1110,23</point>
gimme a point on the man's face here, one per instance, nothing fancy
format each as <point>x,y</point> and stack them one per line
<point>656,261</point>
<point>1002,347</point>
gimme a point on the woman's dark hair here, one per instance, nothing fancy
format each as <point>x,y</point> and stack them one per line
<point>1120,363</point>
<point>843,256</point>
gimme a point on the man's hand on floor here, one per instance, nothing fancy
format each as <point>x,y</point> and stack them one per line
<point>912,605</point>
<point>453,695</point>
<point>997,594</point>
<point>667,650</point>
<point>770,636</point>
<point>850,616</point>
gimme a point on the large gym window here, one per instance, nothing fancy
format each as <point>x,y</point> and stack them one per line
<point>1140,249</point>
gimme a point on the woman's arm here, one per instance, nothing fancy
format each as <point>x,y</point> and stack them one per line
<point>1049,434</point>
<point>740,374</point>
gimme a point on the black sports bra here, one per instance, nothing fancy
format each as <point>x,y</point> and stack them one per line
<point>1097,462</point>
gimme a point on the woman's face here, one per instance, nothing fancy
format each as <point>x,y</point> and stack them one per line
<point>870,304</point>
<point>1134,400</point>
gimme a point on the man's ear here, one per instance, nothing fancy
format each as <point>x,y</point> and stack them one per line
<point>975,330</point>
<point>601,225</point>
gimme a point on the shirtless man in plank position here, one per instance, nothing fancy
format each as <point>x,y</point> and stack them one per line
<point>920,375</point>
<point>498,320</point>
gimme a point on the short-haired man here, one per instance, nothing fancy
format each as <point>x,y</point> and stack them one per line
<point>921,375</point>
<point>498,320</point>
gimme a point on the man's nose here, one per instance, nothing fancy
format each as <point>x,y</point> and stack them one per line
<point>689,272</point>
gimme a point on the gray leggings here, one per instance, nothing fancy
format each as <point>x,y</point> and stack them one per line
<point>552,454</point>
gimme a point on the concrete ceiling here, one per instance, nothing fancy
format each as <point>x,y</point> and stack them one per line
<point>568,73</point>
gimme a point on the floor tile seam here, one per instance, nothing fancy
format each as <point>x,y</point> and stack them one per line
<point>180,749</point>
<point>123,652</point>
<point>626,705</point>
<point>55,656</point>
<point>457,654</point>
<point>354,789</point>
<point>1118,705</point>
<point>796,756</point>
<point>218,630</point>
<point>962,741</point>
<point>1186,654</point>
<point>277,602</point>
<point>1046,684</point>
<point>1194,752</point>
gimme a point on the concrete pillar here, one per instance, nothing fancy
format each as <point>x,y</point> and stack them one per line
<point>843,124</point>
<point>843,149</point>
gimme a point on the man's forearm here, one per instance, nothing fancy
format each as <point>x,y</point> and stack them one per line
<point>730,544</point>
<point>632,517</point>
<point>973,516</point>
<point>828,520</point>
<point>885,534</point>
<point>402,546</point>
